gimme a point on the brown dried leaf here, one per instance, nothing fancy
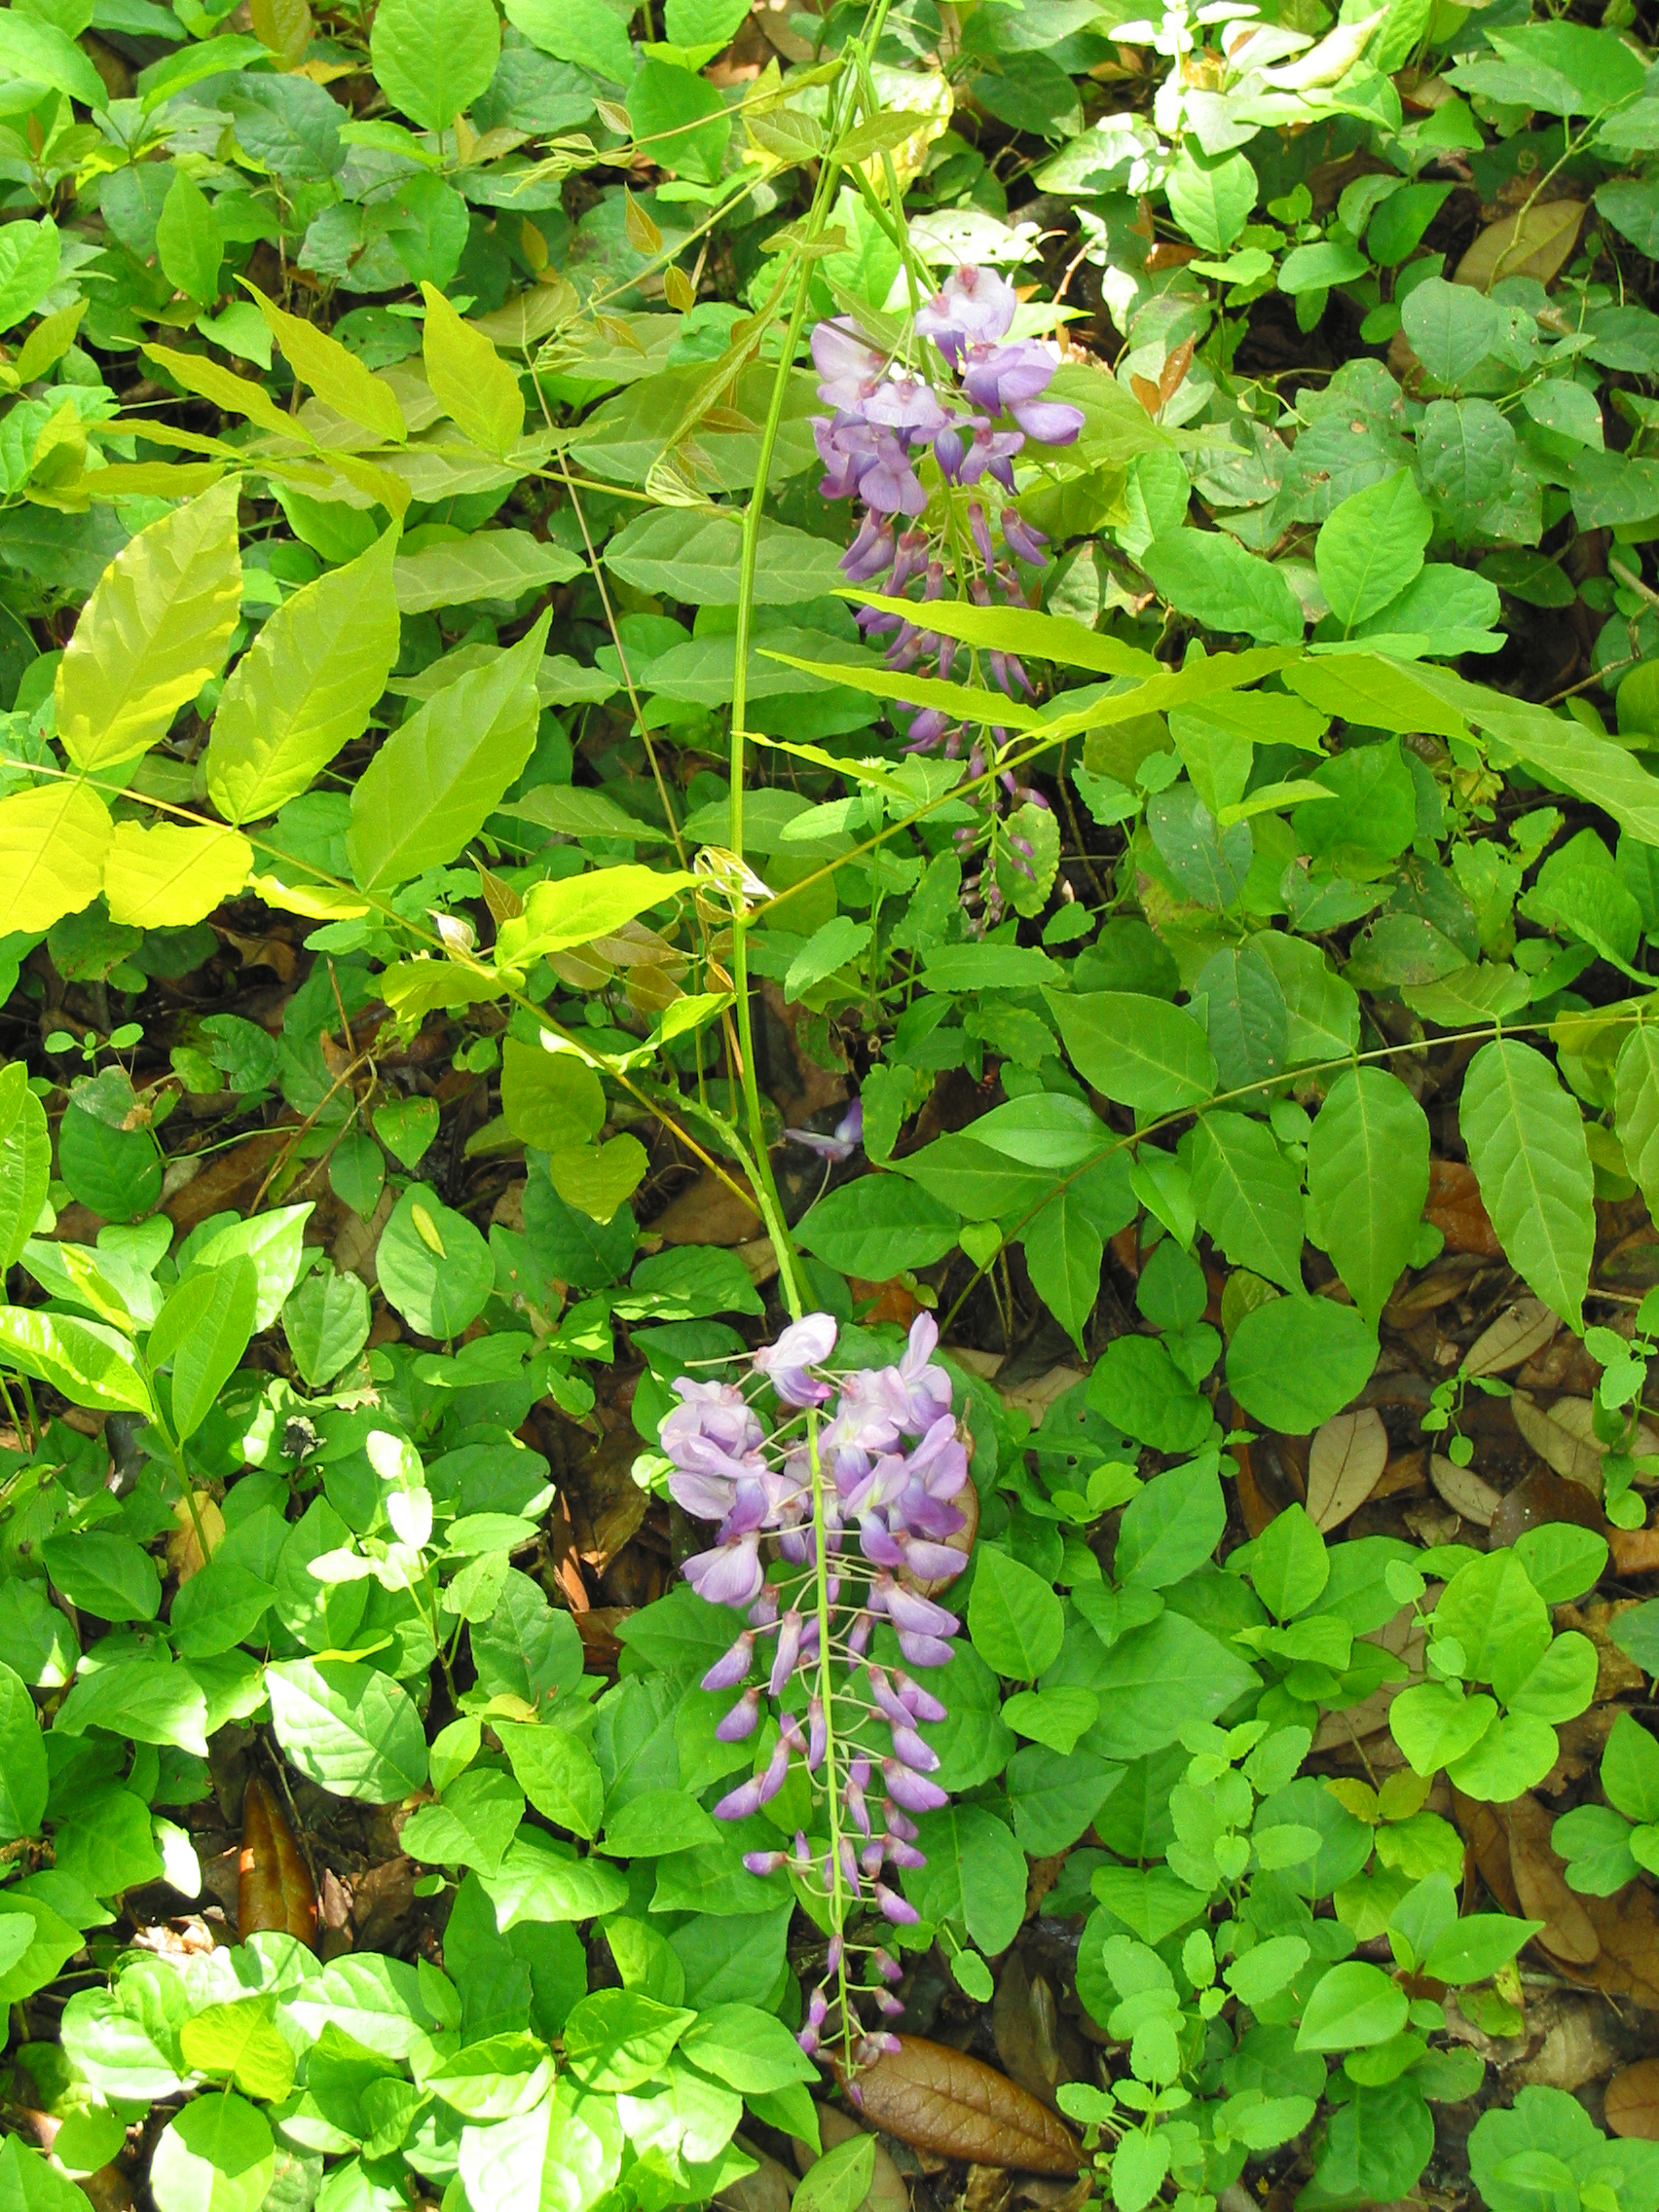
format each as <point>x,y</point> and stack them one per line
<point>1467,1494</point>
<point>184,1545</point>
<point>1568,1933</point>
<point>1564,1436</point>
<point>1520,1331</point>
<point>1345,1464</point>
<point>1635,1551</point>
<point>1484,1830</point>
<point>1533,243</point>
<point>274,1888</point>
<point>941,2100</point>
<point>1633,2101</point>
<point>1455,1208</point>
<point>1541,1498</point>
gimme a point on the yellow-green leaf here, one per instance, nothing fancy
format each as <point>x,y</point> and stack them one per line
<point>434,781</point>
<point>156,628</point>
<point>53,841</point>
<point>305,687</point>
<point>337,377</point>
<point>241,395</point>
<point>473,386</point>
<point>558,915</point>
<point>172,874</point>
<point>597,1180</point>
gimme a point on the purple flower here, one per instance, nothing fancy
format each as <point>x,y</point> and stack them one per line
<point>741,1720</point>
<point>849,368</point>
<point>1051,422</point>
<point>803,1344</point>
<point>846,1140</point>
<point>728,1575</point>
<point>998,378</point>
<point>985,450</point>
<point>1021,539</point>
<point>907,405</point>
<point>973,304</point>
<point>871,554</point>
<point>846,446</point>
<point>725,1673</point>
<point>892,485</point>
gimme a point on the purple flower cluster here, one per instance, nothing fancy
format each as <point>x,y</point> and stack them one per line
<point>975,424</point>
<point>872,1458</point>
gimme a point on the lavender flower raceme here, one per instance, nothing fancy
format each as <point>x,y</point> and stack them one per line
<point>986,407</point>
<point>851,1493</point>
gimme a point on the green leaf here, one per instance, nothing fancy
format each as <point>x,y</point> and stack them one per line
<point>577,908</point>
<point>150,1700</point>
<point>1352,2007</point>
<point>1210,199</point>
<point>557,1773</point>
<point>1526,1142</point>
<point>206,1352</point>
<point>34,49</point>
<point>1475,1947</point>
<point>1630,1770</point>
<point>1371,547</point>
<point>25,1163</point>
<point>1137,1050</point>
<point>1248,1196</point>
<point>215,2156</point>
<point>169,874</point>
<point>433,57</point>
<point>689,554</point>
<point>1368,1179</point>
<point>583,31</point>
<point>348,1727</point>
<point>1636,1096</point>
<point>975,1875</point>
<point>1170,1527</point>
<point>1014,1619</point>
<point>241,2042</point>
<point>1295,1361</point>
<point>23,1777</point>
<point>1063,1253</point>
<point>28,2183</point>
<point>52,843</point>
<point>549,1099</point>
<point>1024,631</point>
<point>876,1227</point>
<point>490,564</point>
<point>89,1364</point>
<point>1209,575</point>
<point>841,2180</point>
<point>680,121</point>
<point>471,1824</point>
<point>29,252</point>
<point>102,1572</point>
<point>156,628</point>
<point>434,781</point>
<point>473,386</point>
<point>434,1268</point>
<point>832,946</point>
<point>336,375</point>
<point>305,687</point>
<point>188,245</point>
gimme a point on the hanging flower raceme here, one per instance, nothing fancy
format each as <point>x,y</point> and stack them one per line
<point>850,1493</point>
<point>985,408</point>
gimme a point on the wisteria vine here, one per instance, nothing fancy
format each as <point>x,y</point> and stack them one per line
<point>850,1493</point>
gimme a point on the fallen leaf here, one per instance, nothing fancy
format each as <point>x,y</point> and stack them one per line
<point>1345,1464</point>
<point>1633,2101</point>
<point>1574,2048</point>
<point>1563,1435</point>
<point>1025,2025</point>
<point>1455,1208</point>
<point>1520,1331</point>
<point>1541,1884</point>
<point>1544,1497</point>
<point>1464,1491</point>
<point>1635,1551</point>
<point>274,1887</point>
<point>1533,243</point>
<point>939,2099</point>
